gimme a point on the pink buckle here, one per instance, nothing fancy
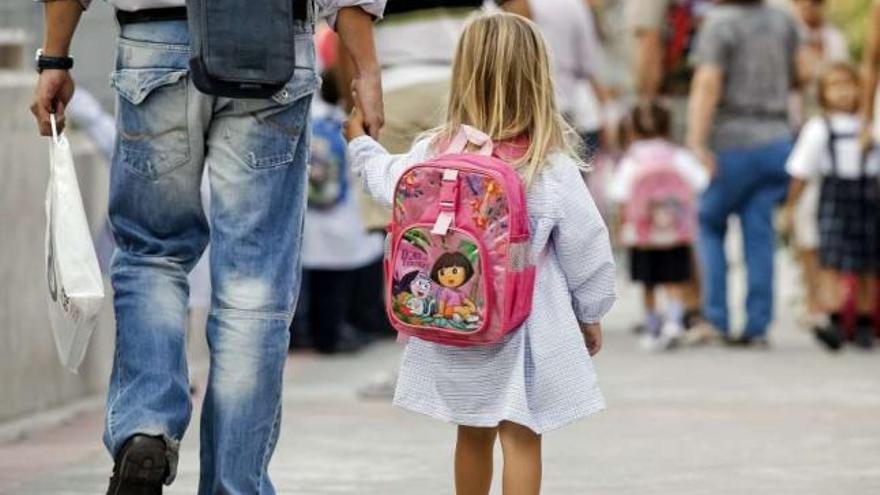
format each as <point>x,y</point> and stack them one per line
<point>449,190</point>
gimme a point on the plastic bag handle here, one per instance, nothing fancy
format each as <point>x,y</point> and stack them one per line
<point>471,135</point>
<point>54,125</point>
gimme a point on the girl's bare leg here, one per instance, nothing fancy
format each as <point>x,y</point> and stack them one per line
<point>473,460</point>
<point>522,459</point>
<point>812,279</point>
<point>867,294</point>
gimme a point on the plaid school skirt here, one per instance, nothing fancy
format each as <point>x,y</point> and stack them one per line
<point>849,225</point>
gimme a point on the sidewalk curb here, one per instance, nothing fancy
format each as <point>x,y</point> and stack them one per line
<point>19,429</point>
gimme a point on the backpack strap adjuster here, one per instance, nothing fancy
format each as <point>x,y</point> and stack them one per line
<point>448,199</point>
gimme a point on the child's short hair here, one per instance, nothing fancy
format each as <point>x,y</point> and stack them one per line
<point>651,120</point>
<point>835,67</point>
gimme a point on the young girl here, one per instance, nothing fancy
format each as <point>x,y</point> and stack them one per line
<point>849,206</point>
<point>540,377</point>
<point>654,262</point>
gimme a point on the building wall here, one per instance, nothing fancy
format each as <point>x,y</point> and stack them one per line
<point>32,379</point>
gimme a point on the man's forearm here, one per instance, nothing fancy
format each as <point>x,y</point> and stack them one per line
<point>61,18</point>
<point>705,94</point>
<point>355,28</point>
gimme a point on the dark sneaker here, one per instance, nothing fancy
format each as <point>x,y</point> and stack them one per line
<point>749,341</point>
<point>141,467</point>
<point>864,337</point>
<point>830,336</point>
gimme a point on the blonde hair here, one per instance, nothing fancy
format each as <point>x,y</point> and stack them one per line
<point>502,85</point>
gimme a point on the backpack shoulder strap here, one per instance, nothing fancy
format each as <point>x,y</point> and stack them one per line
<point>832,144</point>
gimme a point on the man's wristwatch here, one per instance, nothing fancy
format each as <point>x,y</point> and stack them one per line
<point>58,63</point>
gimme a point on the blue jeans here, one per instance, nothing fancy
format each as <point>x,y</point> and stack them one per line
<point>255,154</point>
<point>750,183</point>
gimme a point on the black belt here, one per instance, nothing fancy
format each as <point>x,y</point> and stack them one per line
<point>300,13</point>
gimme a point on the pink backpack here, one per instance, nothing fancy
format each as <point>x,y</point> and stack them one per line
<point>458,270</point>
<point>661,211</point>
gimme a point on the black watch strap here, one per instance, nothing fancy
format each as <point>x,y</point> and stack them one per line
<point>58,63</point>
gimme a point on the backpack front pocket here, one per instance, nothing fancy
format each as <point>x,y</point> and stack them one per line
<point>439,283</point>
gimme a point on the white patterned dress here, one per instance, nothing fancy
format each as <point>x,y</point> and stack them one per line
<point>541,375</point>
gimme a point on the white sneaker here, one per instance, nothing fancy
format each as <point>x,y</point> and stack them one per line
<point>652,343</point>
<point>381,388</point>
<point>671,334</point>
<point>703,333</point>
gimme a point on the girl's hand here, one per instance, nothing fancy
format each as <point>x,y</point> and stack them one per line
<point>592,337</point>
<point>354,126</point>
<point>786,221</point>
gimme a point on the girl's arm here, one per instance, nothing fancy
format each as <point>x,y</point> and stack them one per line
<point>378,169</point>
<point>803,163</point>
<point>583,249</point>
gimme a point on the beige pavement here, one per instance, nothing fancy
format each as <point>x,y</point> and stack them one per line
<point>791,420</point>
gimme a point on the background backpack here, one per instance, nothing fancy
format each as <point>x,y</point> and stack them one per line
<point>682,20</point>
<point>661,211</point>
<point>457,269</point>
<point>328,175</point>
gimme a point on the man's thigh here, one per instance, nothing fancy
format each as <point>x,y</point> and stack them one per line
<point>258,153</point>
<point>155,206</point>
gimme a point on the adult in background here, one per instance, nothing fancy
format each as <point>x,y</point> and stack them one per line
<point>570,31</point>
<point>746,60</point>
<point>255,153</point>
<point>664,32</point>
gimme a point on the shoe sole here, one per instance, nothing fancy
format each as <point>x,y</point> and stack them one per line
<point>142,467</point>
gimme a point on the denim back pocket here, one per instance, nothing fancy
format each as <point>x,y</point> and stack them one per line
<point>152,120</point>
<point>269,130</point>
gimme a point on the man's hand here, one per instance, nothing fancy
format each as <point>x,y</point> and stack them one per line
<point>355,29</point>
<point>54,90</point>
<point>367,94</point>
<point>592,337</point>
<point>55,87</point>
<point>354,126</point>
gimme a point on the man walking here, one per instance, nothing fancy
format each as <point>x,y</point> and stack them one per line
<point>254,152</point>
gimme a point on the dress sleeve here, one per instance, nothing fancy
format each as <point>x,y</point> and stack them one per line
<point>84,3</point>
<point>329,8</point>
<point>583,248</point>
<point>713,44</point>
<point>810,149</point>
<point>643,16</point>
<point>380,170</point>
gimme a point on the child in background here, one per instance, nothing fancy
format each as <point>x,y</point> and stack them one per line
<point>824,45</point>
<point>540,377</point>
<point>849,206</point>
<point>335,242</point>
<point>656,186</point>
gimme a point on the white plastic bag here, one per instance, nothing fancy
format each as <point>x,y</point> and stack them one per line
<point>75,286</point>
